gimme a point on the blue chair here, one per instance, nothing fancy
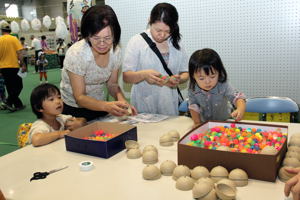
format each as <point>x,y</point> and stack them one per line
<point>271,105</point>
<point>266,105</point>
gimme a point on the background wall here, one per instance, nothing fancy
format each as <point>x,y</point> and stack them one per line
<point>258,41</point>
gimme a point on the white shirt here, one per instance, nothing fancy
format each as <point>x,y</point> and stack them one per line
<point>39,126</point>
<point>36,43</point>
<point>152,98</point>
<point>61,49</point>
<point>80,60</point>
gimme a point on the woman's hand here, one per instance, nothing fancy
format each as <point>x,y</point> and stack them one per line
<point>152,77</point>
<point>293,185</point>
<point>116,108</point>
<point>133,110</point>
<point>173,81</point>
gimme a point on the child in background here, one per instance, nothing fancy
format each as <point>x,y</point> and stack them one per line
<point>47,105</point>
<point>42,63</point>
<point>210,95</point>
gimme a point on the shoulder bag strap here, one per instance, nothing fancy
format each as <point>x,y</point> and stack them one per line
<point>154,48</point>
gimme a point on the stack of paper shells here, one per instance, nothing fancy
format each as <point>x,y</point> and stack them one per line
<point>292,158</point>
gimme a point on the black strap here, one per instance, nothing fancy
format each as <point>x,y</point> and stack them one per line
<point>154,48</point>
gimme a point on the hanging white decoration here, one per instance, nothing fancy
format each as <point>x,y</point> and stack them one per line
<point>3,22</point>
<point>15,28</point>
<point>47,21</point>
<point>61,30</point>
<point>59,19</point>
<point>25,25</point>
<point>36,24</point>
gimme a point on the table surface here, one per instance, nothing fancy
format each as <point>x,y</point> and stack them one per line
<point>111,179</point>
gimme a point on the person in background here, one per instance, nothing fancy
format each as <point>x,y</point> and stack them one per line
<point>36,45</point>
<point>2,93</point>
<point>25,51</point>
<point>47,105</point>
<point>91,66</point>
<point>61,51</point>
<point>141,66</point>
<point>11,58</point>
<point>293,185</point>
<point>44,43</point>
<point>42,63</point>
<point>210,95</point>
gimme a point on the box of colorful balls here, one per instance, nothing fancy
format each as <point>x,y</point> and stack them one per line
<point>102,139</point>
<point>256,148</point>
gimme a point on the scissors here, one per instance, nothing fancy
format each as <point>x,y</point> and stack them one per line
<point>42,175</point>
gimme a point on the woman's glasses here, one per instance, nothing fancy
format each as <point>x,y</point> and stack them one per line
<point>98,40</point>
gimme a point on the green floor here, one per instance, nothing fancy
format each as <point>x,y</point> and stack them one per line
<point>9,122</point>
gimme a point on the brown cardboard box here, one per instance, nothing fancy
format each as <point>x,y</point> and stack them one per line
<point>258,166</point>
<point>121,133</point>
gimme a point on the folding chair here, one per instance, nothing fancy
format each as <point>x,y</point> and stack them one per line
<point>282,109</point>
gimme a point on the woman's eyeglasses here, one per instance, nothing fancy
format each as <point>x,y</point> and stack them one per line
<point>98,40</point>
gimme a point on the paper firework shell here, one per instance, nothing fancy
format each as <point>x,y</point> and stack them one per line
<point>47,21</point>
<point>36,24</point>
<point>25,25</point>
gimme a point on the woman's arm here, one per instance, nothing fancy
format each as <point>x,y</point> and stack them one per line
<point>117,108</point>
<point>150,75</point>
<point>78,88</point>
<point>114,88</point>
<point>39,139</point>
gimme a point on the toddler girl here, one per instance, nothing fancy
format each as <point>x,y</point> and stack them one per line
<point>42,63</point>
<point>210,95</point>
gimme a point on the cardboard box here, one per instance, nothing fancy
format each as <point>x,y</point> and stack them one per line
<point>104,149</point>
<point>258,166</point>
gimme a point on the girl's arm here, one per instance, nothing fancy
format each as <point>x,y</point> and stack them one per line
<point>195,117</point>
<point>238,114</point>
<point>39,139</point>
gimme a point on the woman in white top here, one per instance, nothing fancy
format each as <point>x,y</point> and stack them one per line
<point>91,66</point>
<point>142,67</point>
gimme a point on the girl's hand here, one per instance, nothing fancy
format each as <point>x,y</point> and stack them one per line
<point>72,124</point>
<point>237,115</point>
<point>63,133</point>
<point>152,77</point>
<point>196,125</point>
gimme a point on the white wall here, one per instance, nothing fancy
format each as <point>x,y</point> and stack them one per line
<point>257,40</point>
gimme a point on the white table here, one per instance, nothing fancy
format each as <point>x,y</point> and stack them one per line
<point>111,179</point>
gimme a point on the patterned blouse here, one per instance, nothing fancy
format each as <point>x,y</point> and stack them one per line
<point>80,60</point>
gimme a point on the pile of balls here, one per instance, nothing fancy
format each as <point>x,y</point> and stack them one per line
<point>99,135</point>
<point>237,139</point>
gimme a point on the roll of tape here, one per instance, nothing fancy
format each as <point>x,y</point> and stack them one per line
<point>86,165</point>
